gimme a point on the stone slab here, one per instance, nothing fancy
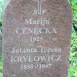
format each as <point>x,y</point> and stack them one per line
<point>36,38</point>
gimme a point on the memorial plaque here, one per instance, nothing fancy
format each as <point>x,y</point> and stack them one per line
<point>36,38</point>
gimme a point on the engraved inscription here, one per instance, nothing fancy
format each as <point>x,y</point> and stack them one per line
<point>35,30</point>
<point>47,54</point>
<point>39,5</point>
<point>42,21</point>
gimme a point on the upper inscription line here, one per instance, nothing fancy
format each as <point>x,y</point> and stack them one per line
<point>39,10</point>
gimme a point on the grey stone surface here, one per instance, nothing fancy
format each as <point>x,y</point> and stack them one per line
<point>36,38</point>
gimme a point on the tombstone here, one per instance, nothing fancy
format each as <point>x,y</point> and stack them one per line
<point>36,38</point>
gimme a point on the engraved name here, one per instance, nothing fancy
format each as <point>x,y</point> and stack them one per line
<point>42,21</point>
<point>34,50</point>
<point>35,30</point>
<point>35,58</point>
